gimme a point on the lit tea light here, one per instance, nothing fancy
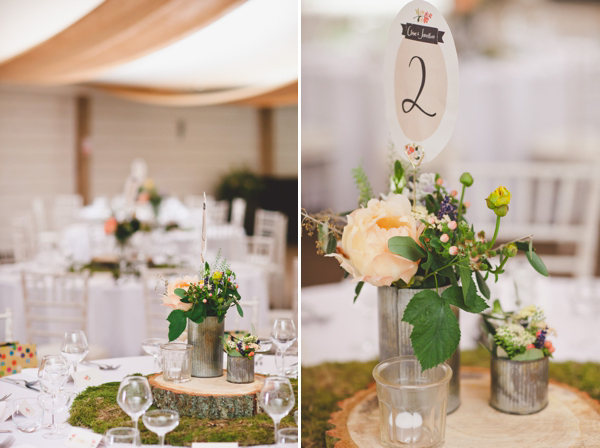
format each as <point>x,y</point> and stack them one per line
<point>407,427</point>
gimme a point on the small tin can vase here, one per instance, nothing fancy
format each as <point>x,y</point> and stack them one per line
<point>207,351</point>
<point>394,335</point>
<point>240,369</point>
<point>519,387</point>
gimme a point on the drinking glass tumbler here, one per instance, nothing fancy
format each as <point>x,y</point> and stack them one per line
<point>412,402</point>
<point>177,362</point>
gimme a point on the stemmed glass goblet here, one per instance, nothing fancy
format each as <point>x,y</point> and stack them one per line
<point>54,403</point>
<point>53,374</point>
<point>283,335</point>
<point>161,422</point>
<point>74,348</point>
<point>134,397</point>
<point>277,399</point>
<point>152,347</point>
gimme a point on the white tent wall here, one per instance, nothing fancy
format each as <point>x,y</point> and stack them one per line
<point>37,140</point>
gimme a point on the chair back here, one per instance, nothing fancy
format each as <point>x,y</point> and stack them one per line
<point>554,202</point>
<point>54,303</point>
<point>39,214</point>
<point>23,238</point>
<point>217,212</point>
<point>238,212</point>
<point>260,249</point>
<point>7,317</point>
<point>154,279</point>
<point>272,224</point>
<point>66,209</point>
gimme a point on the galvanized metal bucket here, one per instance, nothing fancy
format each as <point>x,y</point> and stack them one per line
<point>394,335</point>
<point>240,369</point>
<point>519,387</point>
<point>207,354</point>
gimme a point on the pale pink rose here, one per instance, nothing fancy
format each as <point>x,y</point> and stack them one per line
<point>431,220</point>
<point>440,181</point>
<point>453,250</point>
<point>467,204</point>
<point>171,299</point>
<point>452,225</point>
<point>454,193</point>
<point>444,238</point>
<point>364,249</point>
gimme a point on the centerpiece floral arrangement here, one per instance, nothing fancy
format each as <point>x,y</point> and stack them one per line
<point>519,336</point>
<point>148,193</point>
<point>244,347</point>
<point>211,293</point>
<point>417,236</point>
<point>122,230</point>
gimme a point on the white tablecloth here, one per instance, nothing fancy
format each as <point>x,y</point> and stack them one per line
<point>333,329</point>
<point>128,366</point>
<point>116,311</point>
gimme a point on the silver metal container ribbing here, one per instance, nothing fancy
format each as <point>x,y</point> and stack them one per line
<point>394,335</point>
<point>207,354</point>
<point>240,369</point>
<point>519,387</point>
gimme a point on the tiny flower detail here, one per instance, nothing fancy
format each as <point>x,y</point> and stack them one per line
<point>210,294</point>
<point>444,238</point>
<point>439,181</point>
<point>454,193</point>
<point>530,346</point>
<point>431,220</point>
<point>453,250</point>
<point>204,301</point>
<point>548,344</point>
<point>467,204</point>
<point>452,225</point>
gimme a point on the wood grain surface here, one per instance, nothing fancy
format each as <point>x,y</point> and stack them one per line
<point>572,419</point>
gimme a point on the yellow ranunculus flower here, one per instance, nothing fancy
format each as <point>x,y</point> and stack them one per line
<point>217,275</point>
<point>500,196</point>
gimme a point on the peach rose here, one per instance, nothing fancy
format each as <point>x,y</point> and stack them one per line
<point>110,226</point>
<point>364,246</point>
<point>171,299</point>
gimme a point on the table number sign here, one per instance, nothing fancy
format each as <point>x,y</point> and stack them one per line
<point>420,82</point>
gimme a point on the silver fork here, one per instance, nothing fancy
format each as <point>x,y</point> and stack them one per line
<point>5,397</point>
<point>27,384</point>
<point>8,442</point>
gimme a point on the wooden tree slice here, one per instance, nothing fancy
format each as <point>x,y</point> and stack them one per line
<point>207,397</point>
<point>571,419</point>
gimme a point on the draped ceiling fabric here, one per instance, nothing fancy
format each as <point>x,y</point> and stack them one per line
<point>169,52</point>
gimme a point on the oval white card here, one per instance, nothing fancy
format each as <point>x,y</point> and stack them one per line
<point>420,82</point>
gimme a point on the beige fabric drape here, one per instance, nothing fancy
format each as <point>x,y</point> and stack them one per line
<point>116,32</point>
<point>262,96</point>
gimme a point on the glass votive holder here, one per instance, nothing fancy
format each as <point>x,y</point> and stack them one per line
<point>412,402</point>
<point>287,436</point>
<point>176,362</point>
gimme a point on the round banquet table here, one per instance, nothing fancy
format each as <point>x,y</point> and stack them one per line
<point>122,305</point>
<point>128,366</point>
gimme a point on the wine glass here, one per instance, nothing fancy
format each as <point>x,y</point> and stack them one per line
<point>134,397</point>
<point>152,347</point>
<point>277,399</point>
<point>265,346</point>
<point>283,335</point>
<point>122,436</point>
<point>74,348</point>
<point>53,374</point>
<point>54,403</point>
<point>161,422</point>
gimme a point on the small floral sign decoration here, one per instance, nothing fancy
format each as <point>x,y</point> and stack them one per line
<point>423,16</point>
<point>245,346</point>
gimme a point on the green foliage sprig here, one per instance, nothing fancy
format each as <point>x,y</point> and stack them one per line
<point>365,191</point>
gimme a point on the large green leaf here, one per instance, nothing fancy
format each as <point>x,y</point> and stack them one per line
<point>239,309</point>
<point>406,247</point>
<point>177,322</point>
<point>530,355</point>
<point>454,296</point>
<point>436,332</point>
<point>180,292</point>
<point>197,313</point>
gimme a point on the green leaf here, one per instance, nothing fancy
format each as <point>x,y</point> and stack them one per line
<point>430,204</point>
<point>406,247</point>
<point>454,296</point>
<point>467,284</point>
<point>177,322</point>
<point>180,292</point>
<point>537,263</point>
<point>497,307</point>
<point>357,290</point>
<point>483,287</point>
<point>436,332</point>
<point>521,245</point>
<point>530,355</point>
<point>239,309</point>
<point>197,313</point>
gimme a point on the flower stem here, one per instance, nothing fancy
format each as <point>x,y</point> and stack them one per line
<point>495,232</point>
<point>462,196</point>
